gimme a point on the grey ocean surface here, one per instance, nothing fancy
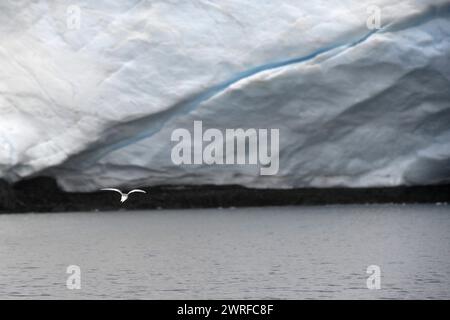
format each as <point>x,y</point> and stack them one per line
<point>255,253</point>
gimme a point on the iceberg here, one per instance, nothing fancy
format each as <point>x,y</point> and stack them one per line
<point>91,92</point>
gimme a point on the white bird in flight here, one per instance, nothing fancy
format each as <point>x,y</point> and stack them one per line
<point>124,196</point>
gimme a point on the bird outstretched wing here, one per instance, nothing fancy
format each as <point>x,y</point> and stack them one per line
<point>136,190</point>
<point>111,189</point>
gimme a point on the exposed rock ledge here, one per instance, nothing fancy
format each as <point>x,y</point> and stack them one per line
<point>43,195</point>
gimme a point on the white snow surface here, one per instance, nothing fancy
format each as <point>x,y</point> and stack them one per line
<point>95,106</point>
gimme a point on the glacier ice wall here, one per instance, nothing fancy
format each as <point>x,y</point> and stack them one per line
<point>95,105</point>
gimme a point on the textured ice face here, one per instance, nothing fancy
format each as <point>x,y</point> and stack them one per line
<point>90,91</point>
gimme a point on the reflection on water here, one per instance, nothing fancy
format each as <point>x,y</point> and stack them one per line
<point>293,253</point>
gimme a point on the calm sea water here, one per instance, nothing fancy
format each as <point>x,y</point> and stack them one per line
<point>258,253</point>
